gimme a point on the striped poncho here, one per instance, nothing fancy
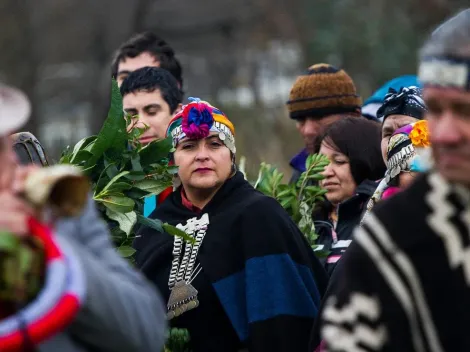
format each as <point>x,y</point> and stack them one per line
<point>405,280</point>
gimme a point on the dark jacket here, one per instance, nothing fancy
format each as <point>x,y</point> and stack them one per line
<point>349,215</point>
<point>260,285</point>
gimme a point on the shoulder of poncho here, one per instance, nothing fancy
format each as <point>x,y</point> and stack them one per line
<point>401,220</point>
<point>410,200</point>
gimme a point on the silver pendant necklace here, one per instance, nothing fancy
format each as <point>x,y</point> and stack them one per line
<point>183,295</point>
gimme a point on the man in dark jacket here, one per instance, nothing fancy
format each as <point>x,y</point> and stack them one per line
<point>318,98</point>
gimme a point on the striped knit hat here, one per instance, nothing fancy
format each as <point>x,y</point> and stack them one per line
<point>323,90</point>
<point>197,120</point>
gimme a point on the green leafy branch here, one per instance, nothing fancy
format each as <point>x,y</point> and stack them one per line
<point>298,199</point>
<point>123,172</point>
<point>177,341</point>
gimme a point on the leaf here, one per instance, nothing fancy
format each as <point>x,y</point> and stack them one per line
<point>136,193</point>
<point>110,167</point>
<point>119,187</point>
<point>135,161</point>
<point>287,202</point>
<point>126,251</point>
<point>81,156</point>
<point>309,161</point>
<point>320,253</point>
<point>126,220</point>
<point>120,204</point>
<point>135,176</point>
<point>117,234</point>
<point>152,223</point>
<point>113,134</point>
<point>174,231</point>
<point>114,179</point>
<point>152,186</point>
<point>155,151</point>
<point>286,192</point>
<point>172,170</point>
<point>80,146</point>
<point>316,177</point>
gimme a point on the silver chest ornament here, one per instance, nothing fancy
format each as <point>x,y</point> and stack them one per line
<point>183,295</point>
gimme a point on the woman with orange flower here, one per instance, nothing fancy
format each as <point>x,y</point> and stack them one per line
<point>400,140</point>
<point>408,154</point>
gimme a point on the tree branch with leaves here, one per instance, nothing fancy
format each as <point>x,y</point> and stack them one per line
<point>299,199</point>
<point>123,172</point>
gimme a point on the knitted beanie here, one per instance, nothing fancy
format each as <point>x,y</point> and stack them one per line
<point>323,90</point>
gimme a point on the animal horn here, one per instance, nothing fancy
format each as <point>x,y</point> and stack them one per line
<point>62,187</point>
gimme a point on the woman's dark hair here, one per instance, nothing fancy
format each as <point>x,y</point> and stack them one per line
<point>358,139</point>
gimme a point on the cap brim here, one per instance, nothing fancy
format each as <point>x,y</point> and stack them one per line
<point>15,109</point>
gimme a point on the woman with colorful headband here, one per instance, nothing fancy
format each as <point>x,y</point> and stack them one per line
<point>408,154</point>
<point>249,281</point>
<point>400,110</point>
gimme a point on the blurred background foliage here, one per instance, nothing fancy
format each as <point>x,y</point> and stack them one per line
<point>242,55</point>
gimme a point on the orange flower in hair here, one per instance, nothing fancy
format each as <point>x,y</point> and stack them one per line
<point>419,135</point>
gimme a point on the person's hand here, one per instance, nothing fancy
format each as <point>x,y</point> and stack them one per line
<point>14,214</point>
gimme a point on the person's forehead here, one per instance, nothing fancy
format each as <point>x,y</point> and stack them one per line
<point>446,95</point>
<point>397,120</point>
<point>327,149</point>
<point>143,98</point>
<point>134,63</point>
<point>211,136</point>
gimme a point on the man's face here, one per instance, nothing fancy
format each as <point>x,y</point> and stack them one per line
<point>448,118</point>
<point>130,64</point>
<point>148,109</point>
<point>310,127</point>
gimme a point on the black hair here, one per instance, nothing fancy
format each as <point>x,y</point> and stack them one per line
<point>359,139</point>
<point>152,78</point>
<point>156,46</point>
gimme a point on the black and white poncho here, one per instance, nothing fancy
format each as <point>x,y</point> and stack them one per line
<point>404,283</point>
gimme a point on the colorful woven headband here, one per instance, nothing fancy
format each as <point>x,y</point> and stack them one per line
<point>408,150</point>
<point>197,120</point>
<point>56,305</point>
<point>445,71</point>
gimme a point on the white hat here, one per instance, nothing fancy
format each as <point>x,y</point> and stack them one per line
<point>15,109</point>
